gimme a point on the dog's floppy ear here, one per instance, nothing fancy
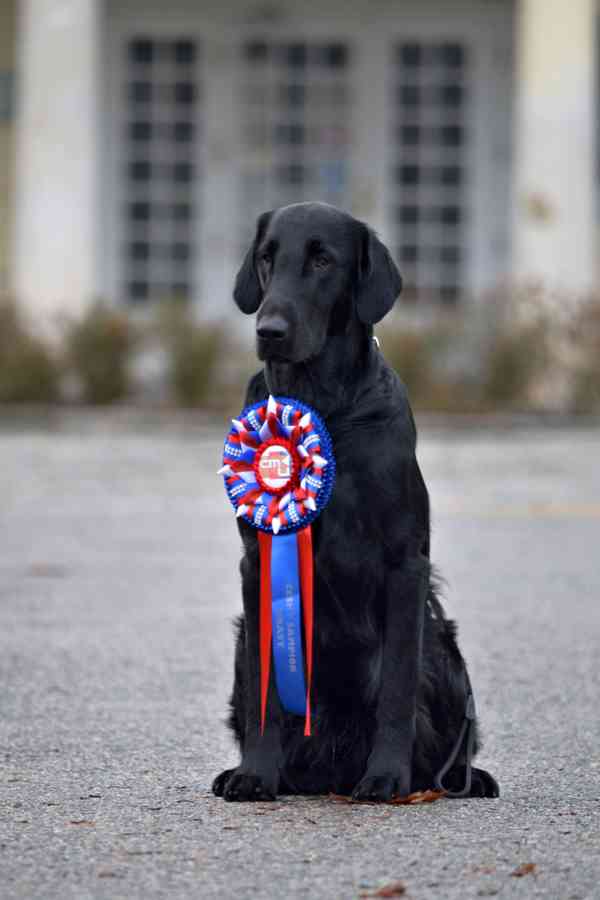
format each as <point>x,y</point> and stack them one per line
<point>379,281</point>
<point>247,292</point>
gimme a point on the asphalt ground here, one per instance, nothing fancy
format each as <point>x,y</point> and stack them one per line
<point>118,584</point>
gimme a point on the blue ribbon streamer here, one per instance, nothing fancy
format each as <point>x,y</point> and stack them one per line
<point>287,623</point>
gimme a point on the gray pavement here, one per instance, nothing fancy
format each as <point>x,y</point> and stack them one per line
<point>118,583</point>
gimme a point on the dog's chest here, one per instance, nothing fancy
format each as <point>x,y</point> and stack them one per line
<point>349,558</point>
<point>366,484</point>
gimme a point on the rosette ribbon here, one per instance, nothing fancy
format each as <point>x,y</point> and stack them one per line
<point>278,470</point>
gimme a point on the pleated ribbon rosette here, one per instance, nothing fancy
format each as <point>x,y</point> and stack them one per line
<point>279,469</point>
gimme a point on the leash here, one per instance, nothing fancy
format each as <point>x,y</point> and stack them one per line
<point>467,732</point>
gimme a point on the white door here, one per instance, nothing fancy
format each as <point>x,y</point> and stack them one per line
<point>402,118</point>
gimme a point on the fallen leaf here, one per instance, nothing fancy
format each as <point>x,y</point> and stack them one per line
<point>82,822</point>
<point>525,869</point>
<point>420,797</point>
<point>394,889</point>
<point>412,800</point>
<point>47,570</point>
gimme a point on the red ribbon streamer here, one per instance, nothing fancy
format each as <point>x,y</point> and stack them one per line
<point>305,557</point>
<point>265,622</point>
<point>305,561</point>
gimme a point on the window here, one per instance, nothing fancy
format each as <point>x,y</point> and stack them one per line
<point>429,174</point>
<point>162,135</point>
<point>296,109</point>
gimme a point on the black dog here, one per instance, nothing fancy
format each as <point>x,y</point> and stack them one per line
<point>393,709</point>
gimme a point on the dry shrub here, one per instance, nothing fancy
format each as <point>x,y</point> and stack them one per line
<point>517,352</point>
<point>584,336</point>
<point>427,361</point>
<point>29,372</point>
<point>411,354</point>
<point>516,358</point>
<point>512,352</point>
<point>483,358</point>
<point>192,353</point>
<point>432,363</point>
<point>98,348</point>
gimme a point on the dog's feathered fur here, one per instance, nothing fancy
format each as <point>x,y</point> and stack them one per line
<point>390,685</point>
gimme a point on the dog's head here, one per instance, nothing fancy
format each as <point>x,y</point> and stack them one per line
<point>310,271</point>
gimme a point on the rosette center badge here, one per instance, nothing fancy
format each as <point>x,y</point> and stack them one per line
<point>275,467</point>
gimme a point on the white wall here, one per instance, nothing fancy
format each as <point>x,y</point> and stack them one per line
<point>371,26</point>
<point>555,124</point>
<point>56,232</point>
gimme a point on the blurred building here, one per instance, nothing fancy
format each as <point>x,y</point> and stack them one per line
<point>139,139</point>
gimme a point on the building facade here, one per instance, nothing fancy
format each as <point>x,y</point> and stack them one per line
<point>141,141</point>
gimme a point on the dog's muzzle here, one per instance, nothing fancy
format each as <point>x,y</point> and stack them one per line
<point>272,337</point>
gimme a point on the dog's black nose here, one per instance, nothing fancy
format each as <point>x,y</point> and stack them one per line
<point>272,329</point>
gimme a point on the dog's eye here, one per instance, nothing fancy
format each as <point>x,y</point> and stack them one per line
<point>321,261</point>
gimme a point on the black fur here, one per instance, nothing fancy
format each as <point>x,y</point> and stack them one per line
<point>390,685</point>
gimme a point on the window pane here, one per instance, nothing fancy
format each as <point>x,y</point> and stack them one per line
<point>162,162</point>
<point>428,197</point>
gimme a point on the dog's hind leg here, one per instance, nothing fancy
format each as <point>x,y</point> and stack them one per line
<point>457,776</point>
<point>482,784</point>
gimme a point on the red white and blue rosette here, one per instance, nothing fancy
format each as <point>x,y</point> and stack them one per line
<point>279,470</point>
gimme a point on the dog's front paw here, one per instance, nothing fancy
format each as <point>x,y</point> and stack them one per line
<point>381,788</point>
<point>218,785</point>
<point>244,786</point>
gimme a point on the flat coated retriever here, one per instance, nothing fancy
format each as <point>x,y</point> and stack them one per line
<point>392,703</point>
